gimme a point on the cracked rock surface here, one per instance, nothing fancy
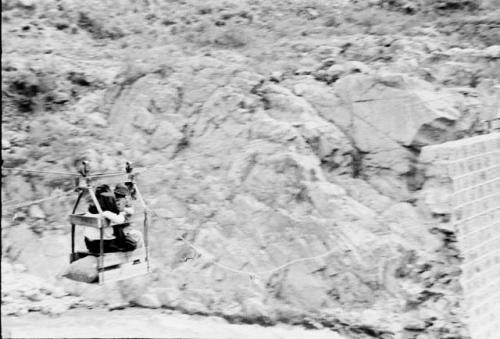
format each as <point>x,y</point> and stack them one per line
<point>282,131</point>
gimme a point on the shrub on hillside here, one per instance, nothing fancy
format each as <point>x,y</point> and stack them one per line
<point>406,6</point>
<point>470,5</point>
<point>28,90</point>
<point>377,21</point>
<point>413,6</point>
<point>21,4</point>
<point>98,28</point>
<point>232,37</point>
<point>368,19</point>
<point>480,29</point>
<point>34,89</point>
<point>229,36</point>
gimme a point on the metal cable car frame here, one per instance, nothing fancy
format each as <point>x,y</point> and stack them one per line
<point>122,261</point>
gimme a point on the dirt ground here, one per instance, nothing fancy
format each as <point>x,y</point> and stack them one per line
<point>144,323</point>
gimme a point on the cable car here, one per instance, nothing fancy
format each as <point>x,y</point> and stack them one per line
<point>113,266</point>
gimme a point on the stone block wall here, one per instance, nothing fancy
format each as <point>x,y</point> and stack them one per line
<point>466,189</point>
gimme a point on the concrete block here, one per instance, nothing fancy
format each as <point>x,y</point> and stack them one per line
<point>461,198</point>
<point>469,180</point>
<point>479,163</point>
<point>469,165</point>
<point>453,170</point>
<point>496,157</point>
<point>463,183</point>
<point>447,152</point>
<point>488,160</point>
<point>461,168</point>
<point>464,150</point>
<point>482,146</point>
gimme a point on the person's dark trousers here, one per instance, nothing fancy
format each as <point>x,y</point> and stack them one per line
<point>121,243</point>
<point>124,241</point>
<point>109,245</point>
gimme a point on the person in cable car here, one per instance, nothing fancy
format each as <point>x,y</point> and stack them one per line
<point>123,195</point>
<point>115,238</point>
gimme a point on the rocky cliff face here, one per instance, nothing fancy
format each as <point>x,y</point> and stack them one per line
<point>279,133</point>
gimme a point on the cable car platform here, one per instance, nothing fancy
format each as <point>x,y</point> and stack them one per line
<point>117,265</point>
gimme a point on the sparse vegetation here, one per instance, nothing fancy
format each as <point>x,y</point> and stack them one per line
<point>97,28</point>
<point>232,37</point>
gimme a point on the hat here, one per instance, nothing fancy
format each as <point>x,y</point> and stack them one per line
<point>104,190</point>
<point>121,190</point>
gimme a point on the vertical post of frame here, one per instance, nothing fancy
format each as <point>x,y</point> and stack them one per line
<point>73,226</point>
<point>131,176</point>
<point>101,225</point>
<point>146,223</point>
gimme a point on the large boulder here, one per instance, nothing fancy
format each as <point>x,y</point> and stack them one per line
<point>390,110</point>
<point>83,270</point>
<point>385,118</point>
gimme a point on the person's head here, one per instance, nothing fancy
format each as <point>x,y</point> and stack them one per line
<point>121,194</point>
<point>106,200</point>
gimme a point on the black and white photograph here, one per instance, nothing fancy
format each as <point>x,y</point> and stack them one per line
<point>250,169</point>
